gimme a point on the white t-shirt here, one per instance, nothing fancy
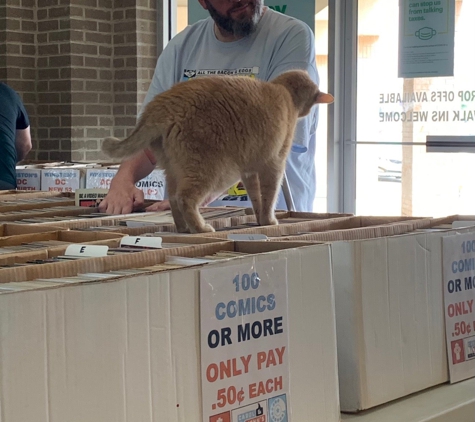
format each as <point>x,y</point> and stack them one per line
<point>280,43</point>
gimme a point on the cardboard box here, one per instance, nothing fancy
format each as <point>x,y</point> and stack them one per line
<point>28,179</point>
<point>99,178</point>
<point>389,312</point>
<point>153,186</point>
<point>62,179</point>
<point>129,349</point>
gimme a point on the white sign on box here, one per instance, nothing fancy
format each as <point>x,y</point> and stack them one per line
<point>142,242</point>
<point>60,180</point>
<point>28,179</point>
<point>459,302</point>
<point>245,343</point>
<point>153,186</point>
<point>89,251</point>
<point>99,178</point>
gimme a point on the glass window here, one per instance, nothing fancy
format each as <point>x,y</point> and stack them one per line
<point>181,15</point>
<point>395,175</point>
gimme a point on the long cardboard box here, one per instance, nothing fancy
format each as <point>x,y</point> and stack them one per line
<point>129,350</point>
<point>389,312</point>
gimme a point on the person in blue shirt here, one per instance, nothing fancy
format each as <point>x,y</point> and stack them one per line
<point>15,138</point>
<point>241,37</point>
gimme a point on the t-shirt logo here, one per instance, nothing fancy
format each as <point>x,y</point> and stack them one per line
<point>251,72</point>
<point>188,74</point>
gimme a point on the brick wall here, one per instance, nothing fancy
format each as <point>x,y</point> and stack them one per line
<point>82,68</point>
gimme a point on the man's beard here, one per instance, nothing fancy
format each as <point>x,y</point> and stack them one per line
<point>236,27</point>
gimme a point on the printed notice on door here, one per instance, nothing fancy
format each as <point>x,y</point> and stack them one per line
<point>245,343</point>
<point>426,38</point>
<point>459,303</point>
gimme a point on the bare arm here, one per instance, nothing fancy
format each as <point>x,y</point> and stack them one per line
<point>22,143</point>
<point>133,169</point>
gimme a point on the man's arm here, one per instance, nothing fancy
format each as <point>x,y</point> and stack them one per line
<point>22,143</point>
<point>124,196</point>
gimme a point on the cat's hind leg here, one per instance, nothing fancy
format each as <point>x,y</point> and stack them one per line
<point>253,188</point>
<point>180,222</point>
<point>189,196</point>
<point>270,178</point>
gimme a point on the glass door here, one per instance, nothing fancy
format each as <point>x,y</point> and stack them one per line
<point>395,174</point>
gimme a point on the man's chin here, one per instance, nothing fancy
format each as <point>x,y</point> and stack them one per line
<point>244,29</point>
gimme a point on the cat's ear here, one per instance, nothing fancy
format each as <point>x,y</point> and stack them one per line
<point>323,98</point>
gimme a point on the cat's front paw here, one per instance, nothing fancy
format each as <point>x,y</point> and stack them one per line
<point>269,221</point>
<point>208,228</point>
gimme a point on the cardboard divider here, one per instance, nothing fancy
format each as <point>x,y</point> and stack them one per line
<point>196,247</point>
<point>65,211</point>
<point>329,225</point>
<point>51,251</point>
<point>217,223</point>
<point>116,220</point>
<point>10,195</point>
<point>20,204</point>
<point>449,220</point>
<point>358,233</point>
<point>21,258</point>
<point>12,229</point>
<point>289,216</point>
<point>69,236</point>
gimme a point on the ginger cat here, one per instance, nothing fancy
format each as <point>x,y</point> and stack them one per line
<point>211,132</point>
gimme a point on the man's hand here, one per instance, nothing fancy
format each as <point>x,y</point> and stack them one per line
<point>122,200</point>
<point>159,206</point>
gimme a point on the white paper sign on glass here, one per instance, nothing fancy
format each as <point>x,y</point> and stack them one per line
<point>459,302</point>
<point>245,342</point>
<point>426,38</point>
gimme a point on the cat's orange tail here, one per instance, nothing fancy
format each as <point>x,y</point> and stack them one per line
<point>109,147</point>
<point>140,139</point>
